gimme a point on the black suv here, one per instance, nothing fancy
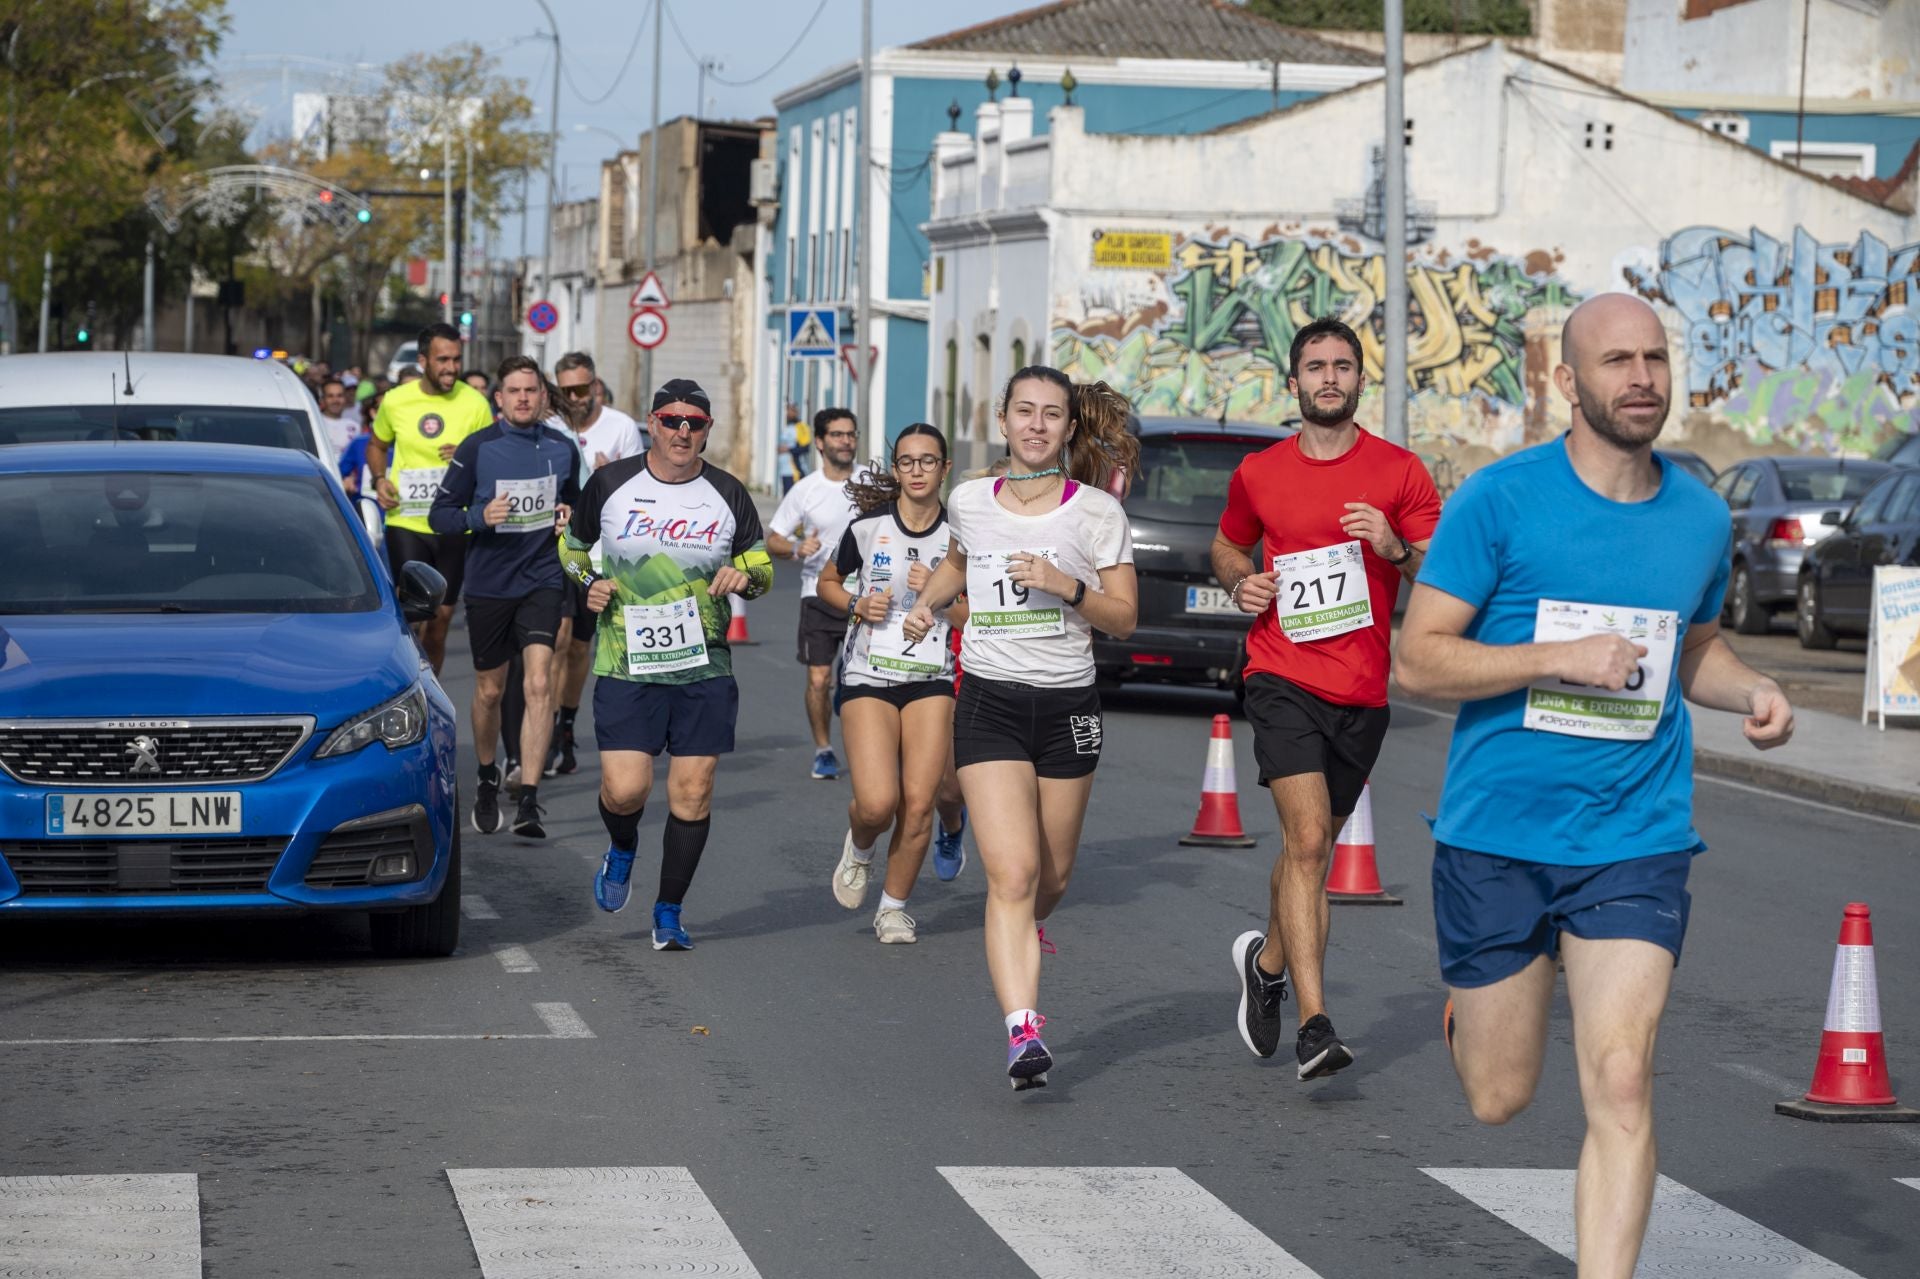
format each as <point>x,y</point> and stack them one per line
<point>1189,631</point>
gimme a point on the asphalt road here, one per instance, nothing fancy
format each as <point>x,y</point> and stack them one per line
<point>813,1085</point>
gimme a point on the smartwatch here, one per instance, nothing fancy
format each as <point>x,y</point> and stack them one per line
<point>1406,552</point>
<point>1079,593</point>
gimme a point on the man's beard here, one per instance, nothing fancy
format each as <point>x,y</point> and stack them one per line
<point>1311,410</point>
<point>1609,426</point>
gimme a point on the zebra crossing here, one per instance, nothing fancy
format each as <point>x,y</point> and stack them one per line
<point>1061,1222</point>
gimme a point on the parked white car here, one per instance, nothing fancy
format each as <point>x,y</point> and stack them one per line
<point>409,353</point>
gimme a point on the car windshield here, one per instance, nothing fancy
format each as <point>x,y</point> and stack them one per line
<point>157,542</point>
<point>54,424</point>
<point>1834,483</point>
<point>1184,477</point>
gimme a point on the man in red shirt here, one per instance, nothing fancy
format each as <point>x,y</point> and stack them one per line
<point>1339,517</point>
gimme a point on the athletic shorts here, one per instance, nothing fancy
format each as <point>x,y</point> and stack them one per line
<point>1295,732</point>
<point>584,618</point>
<point>898,696</point>
<point>1493,915</point>
<point>1057,730</point>
<point>680,719</point>
<point>822,631</point>
<point>447,552</point>
<point>498,629</point>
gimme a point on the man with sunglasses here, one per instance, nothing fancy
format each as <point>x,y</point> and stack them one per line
<point>678,536</point>
<point>807,526</point>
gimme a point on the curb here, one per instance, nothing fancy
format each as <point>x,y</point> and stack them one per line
<point>1878,800</point>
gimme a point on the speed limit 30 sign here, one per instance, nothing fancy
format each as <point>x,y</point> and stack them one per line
<point>647,328</point>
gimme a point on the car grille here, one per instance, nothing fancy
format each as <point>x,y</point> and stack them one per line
<point>348,853</point>
<point>96,753</point>
<point>105,868</point>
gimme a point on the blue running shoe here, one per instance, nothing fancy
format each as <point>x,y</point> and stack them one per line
<point>610,886</point>
<point>826,767</point>
<point>1028,1060</point>
<point>667,933</point>
<point>949,850</point>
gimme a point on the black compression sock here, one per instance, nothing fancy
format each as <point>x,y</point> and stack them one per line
<point>490,775</point>
<point>529,794</point>
<point>566,715</point>
<point>680,849</point>
<point>622,828</point>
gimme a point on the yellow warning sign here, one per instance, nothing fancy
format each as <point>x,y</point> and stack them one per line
<point>1139,250</point>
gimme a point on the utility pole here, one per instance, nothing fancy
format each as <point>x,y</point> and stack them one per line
<point>9,336</point>
<point>553,161</point>
<point>863,313</point>
<point>653,194</point>
<point>46,297</point>
<point>1394,321</point>
<point>146,291</point>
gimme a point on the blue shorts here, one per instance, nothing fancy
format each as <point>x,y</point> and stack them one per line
<point>1493,915</point>
<point>680,719</point>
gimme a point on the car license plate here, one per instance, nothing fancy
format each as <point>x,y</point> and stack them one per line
<point>1209,599</point>
<point>153,813</point>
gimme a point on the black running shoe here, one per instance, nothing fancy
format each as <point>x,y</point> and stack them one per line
<point>1319,1049</point>
<point>1260,996</point>
<point>486,809</point>
<point>560,756</point>
<point>526,821</point>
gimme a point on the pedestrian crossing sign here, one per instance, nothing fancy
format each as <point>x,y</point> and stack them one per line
<point>813,333</point>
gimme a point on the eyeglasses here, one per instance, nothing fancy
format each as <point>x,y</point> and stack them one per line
<point>580,392</point>
<point>682,422</point>
<point>925,462</point>
<point>841,435</point>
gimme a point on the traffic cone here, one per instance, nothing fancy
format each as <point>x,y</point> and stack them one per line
<point>1850,1082</point>
<point>737,628</point>
<point>1218,822</point>
<point>1354,880</point>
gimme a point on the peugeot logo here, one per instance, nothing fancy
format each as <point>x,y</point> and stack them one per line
<point>146,753</point>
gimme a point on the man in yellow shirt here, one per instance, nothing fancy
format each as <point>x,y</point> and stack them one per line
<point>419,426</point>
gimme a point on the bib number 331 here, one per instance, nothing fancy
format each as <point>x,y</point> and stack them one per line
<point>1322,592</point>
<point>662,638</point>
<point>1004,610</point>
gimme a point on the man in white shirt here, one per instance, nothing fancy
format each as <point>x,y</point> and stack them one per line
<point>335,417</point>
<point>807,527</point>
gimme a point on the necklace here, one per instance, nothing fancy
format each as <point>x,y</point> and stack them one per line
<point>1036,475</point>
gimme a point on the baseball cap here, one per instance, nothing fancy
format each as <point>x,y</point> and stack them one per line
<point>681,390</point>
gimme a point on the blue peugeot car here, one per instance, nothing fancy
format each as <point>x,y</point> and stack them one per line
<point>210,700</point>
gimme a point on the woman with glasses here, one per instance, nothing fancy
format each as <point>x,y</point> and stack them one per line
<point>1045,555</point>
<point>896,694</point>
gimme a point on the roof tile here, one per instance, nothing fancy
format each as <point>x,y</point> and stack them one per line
<point>1215,30</point>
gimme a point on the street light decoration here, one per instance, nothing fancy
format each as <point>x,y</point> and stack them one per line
<point>993,83</point>
<point>224,196</point>
<point>1068,84</point>
<point>1013,80</point>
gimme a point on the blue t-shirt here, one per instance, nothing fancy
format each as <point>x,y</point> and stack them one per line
<point>1525,529</point>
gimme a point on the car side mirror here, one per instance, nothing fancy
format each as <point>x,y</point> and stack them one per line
<point>1831,519</point>
<point>421,588</point>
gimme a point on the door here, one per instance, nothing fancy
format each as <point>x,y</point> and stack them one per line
<point>1847,566</point>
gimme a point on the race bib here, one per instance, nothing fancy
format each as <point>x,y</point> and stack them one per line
<point>1322,592</point>
<point>530,503</point>
<point>1579,710</point>
<point>417,489</point>
<point>998,609</point>
<point>662,638</point>
<point>891,654</point>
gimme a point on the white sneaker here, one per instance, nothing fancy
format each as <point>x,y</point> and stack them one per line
<point>850,877</point>
<point>895,927</point>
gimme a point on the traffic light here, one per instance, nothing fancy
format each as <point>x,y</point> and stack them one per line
<point>466,317</point>
<point>365,215</point>
<point>85,335</point>
<point>326,197</point>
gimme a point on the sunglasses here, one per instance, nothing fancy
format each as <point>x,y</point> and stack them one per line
<point>682,422</point>
<point>926,463</point>
<point>580,392</point>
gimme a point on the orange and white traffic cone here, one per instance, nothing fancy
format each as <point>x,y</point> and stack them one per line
<point>1218,823</point>
<point>1850,1083</point>
<point>1354,880</point>
<point>737,628</point>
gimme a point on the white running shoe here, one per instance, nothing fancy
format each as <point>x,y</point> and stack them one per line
<point>850,877</point>
<point>895,928</point>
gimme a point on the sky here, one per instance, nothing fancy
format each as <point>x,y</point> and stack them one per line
<point>747,36</point>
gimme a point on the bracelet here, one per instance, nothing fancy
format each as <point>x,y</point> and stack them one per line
<point>1080,593</point>
<point>1233,592</point>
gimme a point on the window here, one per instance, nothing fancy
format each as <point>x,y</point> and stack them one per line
<point>1828,159</point>
<point>1904,506</point>
<point>1725,123</point>
<point>1019,355</point>
<point>1873,507</point>
<point>1741,496</point>
<point>953,383</point>
<point>1834,483</point>
<point>273,428</point>
<point>813,267</point>
<point>1599,137</point>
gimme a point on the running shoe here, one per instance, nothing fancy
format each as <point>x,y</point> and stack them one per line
<point>1028,1060</point>
<point>950,850</point>
<point>511,782</point>
<point>486,809</point>
<point>667,933</point>
<point>1046,947</point>
<point>895,927</point>
<point>826,767</point>
<point>1319,1049</point>
<point>850,877</point>
<point>1260,996</point>
<point>611,886</point>
<point>560,758</point>
<point>526,820</point>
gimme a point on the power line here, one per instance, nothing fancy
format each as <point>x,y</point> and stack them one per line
<point>633,47</point>
<point>778,62</point>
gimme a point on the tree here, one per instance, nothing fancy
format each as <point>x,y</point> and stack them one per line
<point>1429,17</point>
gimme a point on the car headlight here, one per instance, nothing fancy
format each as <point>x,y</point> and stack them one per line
<point>400,722</point>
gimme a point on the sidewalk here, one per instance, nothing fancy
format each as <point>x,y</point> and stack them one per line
<point>1833,758</point>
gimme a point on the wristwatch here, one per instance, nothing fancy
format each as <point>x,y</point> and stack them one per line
<point>1406,552</point>
<point>1079,593</point>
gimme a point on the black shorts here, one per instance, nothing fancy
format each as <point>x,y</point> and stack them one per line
<point>898,696</point>
<point>1057,730</point>
<point>498,629</point>
<point>1295,732</point>
<point>822,631</point>
<point>447,552</point>
<point>584,618</point>
<point>680,719</point>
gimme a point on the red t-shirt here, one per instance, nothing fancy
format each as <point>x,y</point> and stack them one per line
<point>1290,502</point>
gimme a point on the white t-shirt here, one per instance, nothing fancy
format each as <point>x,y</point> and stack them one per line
<point>1082,535</point>
<point>877,553</point>
<point>821,505</point>
<point>613,434</point>
<point>341,432</point>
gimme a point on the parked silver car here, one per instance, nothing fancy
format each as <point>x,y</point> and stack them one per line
<point>1776,504</point>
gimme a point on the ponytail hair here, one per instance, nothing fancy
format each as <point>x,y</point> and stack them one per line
<point>870,490</point>
<point>1101,451</point>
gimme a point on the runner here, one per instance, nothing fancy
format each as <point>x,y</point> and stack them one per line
<point>807,526</point>
<point>511,486</point>
<point>604,434</point>
<point>896,708</point>
<point>680,537</point>
<point>1045,556</point>
<point>337,417</point>
<point>419,426</point>
<point>1566,816</point>
<point>1340,516</point>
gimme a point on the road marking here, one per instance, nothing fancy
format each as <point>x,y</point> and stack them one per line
<point>560,1019</point>
<point>104,1227</point>
<point>1687,1233</point>
<point>1119,1223</point>
<point>594,1223</point>
<point>1765,1078</point>
<point>514,959</point>
<point>1909,1181</point>
<point>474,906</point>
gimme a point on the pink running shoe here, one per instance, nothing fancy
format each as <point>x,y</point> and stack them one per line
<point>1027,1058</point>
<point>1046,947</point>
